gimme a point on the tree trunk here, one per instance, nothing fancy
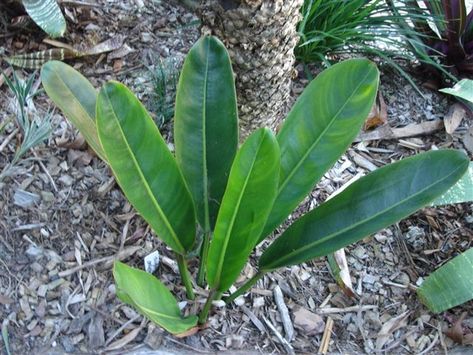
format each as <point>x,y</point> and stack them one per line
<point>260,36</point>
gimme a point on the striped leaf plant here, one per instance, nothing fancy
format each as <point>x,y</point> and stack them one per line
<point>47,15</point>
<point>234,197</point>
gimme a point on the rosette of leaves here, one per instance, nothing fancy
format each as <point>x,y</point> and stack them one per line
<point>236,196</point>
<point>440,34</point>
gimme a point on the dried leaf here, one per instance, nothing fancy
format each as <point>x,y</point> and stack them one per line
<point>378,115</point>
<point>110,44</point>
<point>389,328</point>
<point>456,332</point>
<point>120,343</point>
<point>190,332</point>
<point>454,118</point>
<point>339,268</point>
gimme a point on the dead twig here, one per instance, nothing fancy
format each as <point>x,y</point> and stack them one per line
<point>43,167</point>
<point>281,339</point>
<point>122,255</point>
<point>285,318</point>
<point>412,130</point>
<point>8,139</point>
<point>122,328</point>
<point>332,310</point>
<point>323,349</point>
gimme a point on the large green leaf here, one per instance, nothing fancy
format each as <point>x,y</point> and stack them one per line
<point>373,202</point>
<point>463,89</point>
<point>320,127</point>
<point>206,125</point>
<point>76,97</point>
<point>47,15</point>
<point>151,298</point>
<point>450,285</point>
<point>462,191</point>
<point>248,199</point>
<point>144,167</point>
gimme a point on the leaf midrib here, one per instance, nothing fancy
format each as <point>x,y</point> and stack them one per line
<point>144,181</point>
<point>232,221</point>
<point>322,134</point>
<point>204,144</point>
<point>332,235</point>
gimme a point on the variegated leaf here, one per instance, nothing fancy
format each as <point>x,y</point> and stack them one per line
<point>47,15</point>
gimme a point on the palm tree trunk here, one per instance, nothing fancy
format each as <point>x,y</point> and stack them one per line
<point>260,36</point>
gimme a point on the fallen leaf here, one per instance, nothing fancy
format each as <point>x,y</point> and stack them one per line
<point>339,268</point>
<point>78,143</point>
<point>378,115</point>
<point>109,45</point>
<point>457,333</point>
<point>191,331</point>
<point>389,328</point>
<point>117,65</point>
<point>120,343</point>
<point>310,323</point>
<point>454,118</point>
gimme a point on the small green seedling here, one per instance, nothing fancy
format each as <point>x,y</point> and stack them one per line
<point>34,128</point>
<point>237,197</point>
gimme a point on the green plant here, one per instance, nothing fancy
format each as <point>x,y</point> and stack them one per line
<point>366,27</point>
<point>34,128</point>
<point>450,285</point>
<point>47,15</point>
<point>440,34</point>
<point>238,196</point>
<point>329,26</point>
<point>463,91</point>
<point>164,76</point>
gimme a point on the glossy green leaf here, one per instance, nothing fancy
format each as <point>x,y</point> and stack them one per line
<point>206,125</point>
<point>463,89</point>
<point>450,285</point>
<point>47,15</point>
<point>461,192</point>
<point>76,97</point>
<point>151,298</point>
<point>318,130</point>
<point>375,201</point>
<point>144,167</point>
<point>245,207</point>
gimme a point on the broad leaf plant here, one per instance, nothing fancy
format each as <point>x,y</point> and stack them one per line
<point>223,200</point>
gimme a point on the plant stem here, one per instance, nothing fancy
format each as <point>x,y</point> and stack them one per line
<point>204,314</point>
<point>185,276</point>
<point>204,251</point>
<point>245,287</point>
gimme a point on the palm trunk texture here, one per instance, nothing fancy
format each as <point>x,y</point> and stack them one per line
<point>260,36</point>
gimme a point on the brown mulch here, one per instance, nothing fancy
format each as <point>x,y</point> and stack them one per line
<point>56,247</point>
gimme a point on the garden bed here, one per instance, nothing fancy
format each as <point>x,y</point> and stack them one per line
<point>63,220</point>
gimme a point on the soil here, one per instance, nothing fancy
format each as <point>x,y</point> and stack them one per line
<point>63,221</point>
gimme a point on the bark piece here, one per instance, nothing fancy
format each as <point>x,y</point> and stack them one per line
<point>310,323</point>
